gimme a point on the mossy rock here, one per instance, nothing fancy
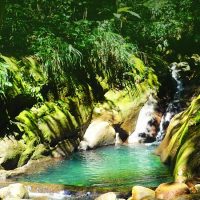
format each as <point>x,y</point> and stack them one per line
<point>48,123</point>
<point>33,151</point>
<point>65,148</point>
<point>181,145</point>
<point>40,151</point>
<point>121,107</point>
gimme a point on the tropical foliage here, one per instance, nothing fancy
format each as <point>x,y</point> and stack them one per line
<point>62,46</point>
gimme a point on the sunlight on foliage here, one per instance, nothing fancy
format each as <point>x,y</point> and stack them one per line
<point>110,54</point>
<point>19,77</point>
<point>58,56</point>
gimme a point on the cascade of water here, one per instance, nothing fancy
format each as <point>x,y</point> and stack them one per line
<point>174,106</point>
<point>147,123</point>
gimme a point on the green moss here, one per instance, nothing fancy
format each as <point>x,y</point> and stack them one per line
<point>40,151</point>
<point>181,143</point>
<point>50,122</point>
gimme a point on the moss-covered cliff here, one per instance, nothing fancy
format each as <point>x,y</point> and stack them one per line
<point>43,119</point>
<point>181,145</point>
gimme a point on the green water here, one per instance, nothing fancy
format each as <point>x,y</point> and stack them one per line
<point>111,166</point>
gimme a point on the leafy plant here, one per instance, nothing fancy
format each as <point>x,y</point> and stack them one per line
<point>21,77</point>
<point>4,80</point>
<point>58,56</point>
<point>109,54</point>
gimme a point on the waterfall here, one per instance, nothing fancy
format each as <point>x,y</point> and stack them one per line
<point>150,125</point>
<point>174,106</point>
<point>147,123</point>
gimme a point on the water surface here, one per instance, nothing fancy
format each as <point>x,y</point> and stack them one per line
<point>111,166</point>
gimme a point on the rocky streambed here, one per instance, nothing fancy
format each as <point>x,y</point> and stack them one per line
<point>36,191</point>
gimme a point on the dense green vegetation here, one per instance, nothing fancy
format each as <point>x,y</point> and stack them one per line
<point>72,51</point>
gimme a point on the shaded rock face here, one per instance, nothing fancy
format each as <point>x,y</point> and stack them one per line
<point>65,148</point>
<point>169,191</point>
<point>180,147</point>
<point>98,133</point>
<point>147,123</point>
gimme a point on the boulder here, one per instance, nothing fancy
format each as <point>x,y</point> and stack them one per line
<point>15,191</point>
<point>180,146</point>
<point>168,191</point>
<point>107,196</point>
<point>197,187</point>
<point>139,193</point>
<point>10,152</point>
<point>98,133</point>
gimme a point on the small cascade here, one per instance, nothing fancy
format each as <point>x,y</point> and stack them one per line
<point>147,123</point>
<point>151,127</point>
<point>175,105</point>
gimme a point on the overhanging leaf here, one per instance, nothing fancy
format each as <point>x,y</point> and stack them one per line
<point>123,9</point>
<point>134,14</point>
<point>117,15</point>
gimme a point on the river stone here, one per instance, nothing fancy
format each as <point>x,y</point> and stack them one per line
<point>107,196</point>
<point>15,191</point>
<point>98,133</point>
<point>189,197</point>
<point>168,191</point>
<point>197,187</point>
<point>140,192</point>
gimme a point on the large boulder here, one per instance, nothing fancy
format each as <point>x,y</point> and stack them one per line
<point>169,191</point>
<point>181,145</point>
<point>14,191</point>
<point>107,196</point>
<point>140,192</point>
<point>147,123</point>
<point>99,133</point>
<point>10,152</point>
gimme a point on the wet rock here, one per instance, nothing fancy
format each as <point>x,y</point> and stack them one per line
<point>168,191</point>
<point>180,147</point>
<point>10,152</point>
<point>98,133</point>
<point>107,196</point>
<point>65,147</point>
<point>14,191</point>
<point>139,193</point>
<point>118,140</point>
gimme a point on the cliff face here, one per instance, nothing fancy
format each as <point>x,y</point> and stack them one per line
<point>181,145</point>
